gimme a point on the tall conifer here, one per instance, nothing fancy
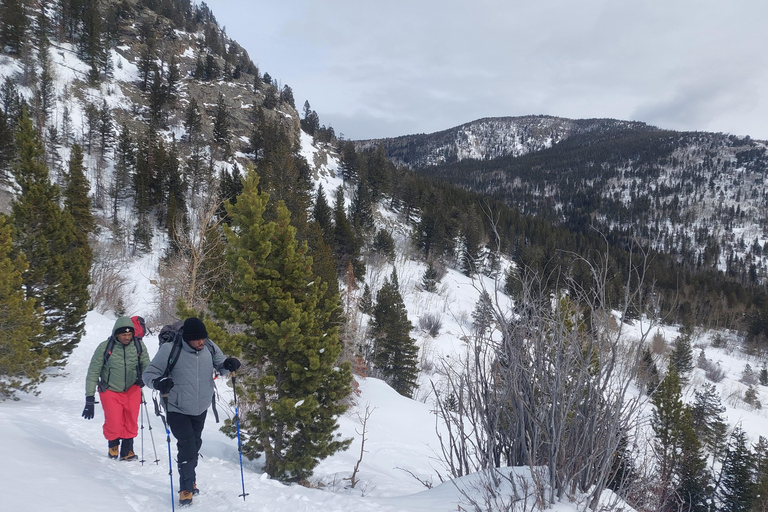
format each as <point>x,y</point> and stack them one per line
<point>395,351</point>
<point>47,236</point>
<point>293,384</point>
<point>21,360</point>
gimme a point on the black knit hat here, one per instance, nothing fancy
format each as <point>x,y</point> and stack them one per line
<point>194,329</point>
<point>121,330</point>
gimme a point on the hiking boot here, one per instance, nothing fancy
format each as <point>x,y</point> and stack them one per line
<point>129,456</point>
<point>114,452</point>
<point>195,491</point>
<point>185,498</point>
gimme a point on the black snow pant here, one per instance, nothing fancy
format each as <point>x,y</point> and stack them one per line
<point>188,432</point>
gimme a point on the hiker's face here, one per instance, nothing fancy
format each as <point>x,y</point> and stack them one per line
<point>125,337</point>
<point>197,344</point>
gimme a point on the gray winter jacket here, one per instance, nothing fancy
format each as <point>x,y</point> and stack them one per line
<point>192,376</point>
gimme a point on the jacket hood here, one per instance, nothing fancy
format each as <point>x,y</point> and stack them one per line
<point>121,323</point>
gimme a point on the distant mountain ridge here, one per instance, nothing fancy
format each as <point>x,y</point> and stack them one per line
<point>696,195</point>
<point>490,138</point>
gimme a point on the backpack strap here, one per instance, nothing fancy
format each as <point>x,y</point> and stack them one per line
<point>108,349</point>
<point>173,358</point>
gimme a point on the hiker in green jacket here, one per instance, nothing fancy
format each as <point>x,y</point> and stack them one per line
<point>116,368</point>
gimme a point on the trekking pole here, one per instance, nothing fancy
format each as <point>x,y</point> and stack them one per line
<point>239,444</point>
<point>141,415</point>
<point>151,435</point>
<point>168,438</point>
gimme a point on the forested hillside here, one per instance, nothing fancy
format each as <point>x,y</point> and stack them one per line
<point>138,129</point>
<point>697,199</point>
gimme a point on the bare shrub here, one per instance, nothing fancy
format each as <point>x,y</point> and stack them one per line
<point>506,414</point>
<point>719,341</point>
<point>431,323</point>
<point>748,376</point>
<point>108,278</point>
<point>658,343</point>
<point>714,372</point>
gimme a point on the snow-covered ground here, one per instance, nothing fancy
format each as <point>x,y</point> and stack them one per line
<point>53,459</point>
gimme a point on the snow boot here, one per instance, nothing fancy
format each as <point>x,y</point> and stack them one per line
<point>126,450</point>
<point>114,449</point>
<point>195,491</point>
<point>185,498</point>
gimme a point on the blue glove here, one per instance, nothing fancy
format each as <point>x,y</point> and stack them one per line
<point>89,407</point>
<point>231,364</point>
<point>163,384</point>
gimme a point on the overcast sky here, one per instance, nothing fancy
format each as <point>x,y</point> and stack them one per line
<point>398,67</point>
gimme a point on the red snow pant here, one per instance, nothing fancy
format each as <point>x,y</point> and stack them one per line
<point>121,413</point>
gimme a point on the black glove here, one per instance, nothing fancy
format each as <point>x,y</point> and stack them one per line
<point>163,384</point>
<point>139,382</point>
<point>231,364</point>
<point>89,407</point>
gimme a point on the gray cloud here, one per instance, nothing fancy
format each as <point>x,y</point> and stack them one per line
<point>392,68</point>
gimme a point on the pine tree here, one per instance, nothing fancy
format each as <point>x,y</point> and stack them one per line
<point>323,215</point>
<point>47,236</point>
<point>482,316</point>
<point>682,468</point>
<point>361,209</point>
<point>707,414</point>
<point>293,383</point>
<point>21,360</point>
<point>346,248</point>
<point>221,125</point>
<point>384,244</point>
<point>395,353</point>
<point>682,355</point>
<point>429,278</point>
<point>14,25</point>
<point>125,163</point>
<point>366,301</point>
<point>737,483</point>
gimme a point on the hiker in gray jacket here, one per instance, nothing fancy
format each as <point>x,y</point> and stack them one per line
<point>189,391</point>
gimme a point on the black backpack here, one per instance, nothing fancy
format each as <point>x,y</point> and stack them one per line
<point>171,333</point>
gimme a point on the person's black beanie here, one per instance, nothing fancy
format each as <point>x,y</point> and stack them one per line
<point>194,329</point>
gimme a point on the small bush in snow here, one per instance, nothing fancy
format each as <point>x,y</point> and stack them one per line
<point>431,324</point>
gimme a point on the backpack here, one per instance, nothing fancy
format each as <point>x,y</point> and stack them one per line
<point>139,329</point>
<point>172,333</point>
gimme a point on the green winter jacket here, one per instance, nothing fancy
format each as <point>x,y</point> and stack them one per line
<point>121,369</point>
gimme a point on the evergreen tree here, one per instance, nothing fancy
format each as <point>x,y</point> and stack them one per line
<point>384,244</point>
<point>323,215</point>
<point>295,389</point>
<point>682,469</point>
<point>707,414</point>
<point>361,209</point>
<point>693,490</point>
<point>21,360</point>
<point>482,316</point>
<point>395,353</point>
<point>760,460</point>
<point>366,301</point>
<point>47,236</point>
<point>14,24</point>
<point>125,163</point>
<point>429,278</point>
<point>346,248</point>
<point>221,125</point>
<point>682,355</point>
<point>737,485</point>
